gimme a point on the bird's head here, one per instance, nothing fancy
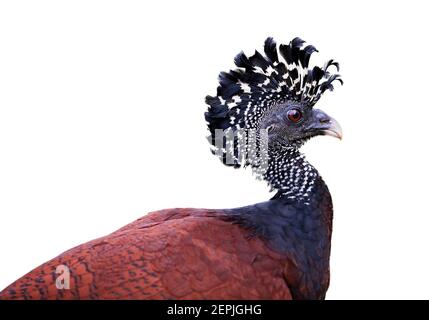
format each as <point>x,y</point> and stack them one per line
<point>293,124</point>
<point>271,100</point>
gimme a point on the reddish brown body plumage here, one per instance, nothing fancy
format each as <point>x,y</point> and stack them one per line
<point>169,254</point>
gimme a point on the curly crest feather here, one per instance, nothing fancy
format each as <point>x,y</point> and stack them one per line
<point>263,81</point>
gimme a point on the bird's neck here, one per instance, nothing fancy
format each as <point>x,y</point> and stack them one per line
<point>290,173</point>
<point>296,223</point>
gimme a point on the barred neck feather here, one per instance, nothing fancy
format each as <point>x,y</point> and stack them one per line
<point>290,173</point>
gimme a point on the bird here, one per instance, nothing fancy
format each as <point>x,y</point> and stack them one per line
<point>262,114</point>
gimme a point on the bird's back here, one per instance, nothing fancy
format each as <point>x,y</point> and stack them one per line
<point>168,254</point>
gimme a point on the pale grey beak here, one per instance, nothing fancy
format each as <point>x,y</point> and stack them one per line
<point>325,125</point>
<point>334,129</point>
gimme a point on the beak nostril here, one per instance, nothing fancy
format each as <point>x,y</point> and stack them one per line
<point>325,120</point>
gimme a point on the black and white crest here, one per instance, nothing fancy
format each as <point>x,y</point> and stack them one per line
<point>259,83</point>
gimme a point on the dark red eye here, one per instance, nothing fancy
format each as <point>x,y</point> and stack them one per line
<point>294,115</point>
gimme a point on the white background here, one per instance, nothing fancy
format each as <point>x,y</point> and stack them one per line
<point>101,121</point>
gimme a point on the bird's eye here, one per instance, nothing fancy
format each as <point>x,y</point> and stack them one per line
<point>294,115</point>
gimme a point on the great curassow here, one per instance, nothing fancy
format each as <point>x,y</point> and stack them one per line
<point>279,249</point>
